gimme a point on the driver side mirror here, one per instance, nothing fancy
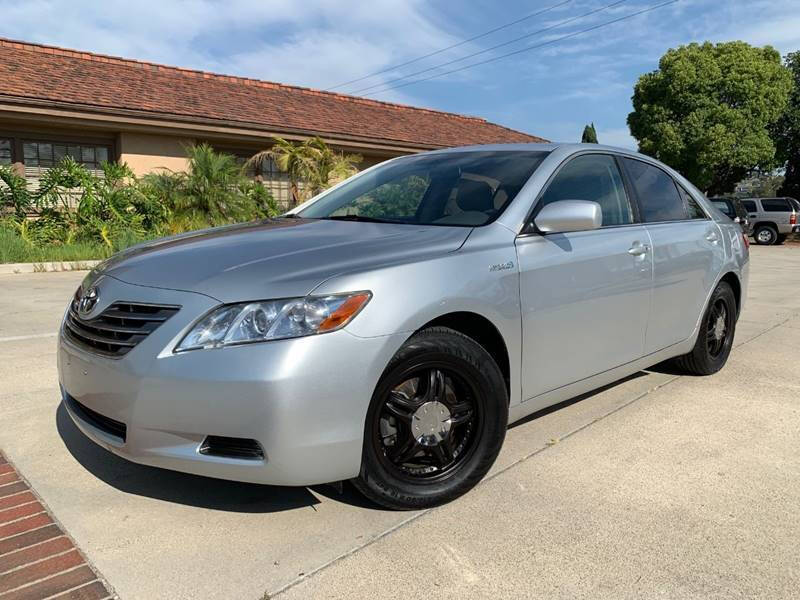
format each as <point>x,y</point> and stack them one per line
<point>569,215</point>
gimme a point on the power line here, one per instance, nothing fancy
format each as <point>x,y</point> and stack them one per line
<point>461,43</point>
<point>529,48</point>
<point>522,37</point>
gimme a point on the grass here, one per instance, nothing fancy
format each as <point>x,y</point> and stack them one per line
<point>13,249</point>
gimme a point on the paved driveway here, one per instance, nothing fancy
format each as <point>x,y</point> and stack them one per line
<point>656,486</point>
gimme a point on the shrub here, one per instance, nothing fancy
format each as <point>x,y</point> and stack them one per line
<point>81,215</point>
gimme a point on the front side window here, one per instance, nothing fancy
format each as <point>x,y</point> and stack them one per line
<point>464,189</point>
<point>658,196</point>
<point>750,205</point>
<point>593,177</point>
<point>776,205</point>
<point>5,151</point>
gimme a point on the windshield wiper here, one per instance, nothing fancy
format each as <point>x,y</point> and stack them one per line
<point>361,218</point>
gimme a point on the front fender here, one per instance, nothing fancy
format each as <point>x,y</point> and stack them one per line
<point>482,278</point>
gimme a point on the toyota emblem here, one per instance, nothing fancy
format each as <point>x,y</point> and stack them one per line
<point>88,301</point>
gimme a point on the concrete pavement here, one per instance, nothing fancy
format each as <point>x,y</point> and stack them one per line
<point>657,486</point>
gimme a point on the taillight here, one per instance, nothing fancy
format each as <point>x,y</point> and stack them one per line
<point>746,240</point>
<point>793,219</point>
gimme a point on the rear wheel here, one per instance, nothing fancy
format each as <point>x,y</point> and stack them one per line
<point>766,235</point>
<point>436,422</point>
<point>715,338</point>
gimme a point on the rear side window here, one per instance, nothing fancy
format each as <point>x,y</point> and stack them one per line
<point>750,205</point>
<point>776,205</point>
<point>658,196</point>
<point>695,210</point>
<point>592,177</point>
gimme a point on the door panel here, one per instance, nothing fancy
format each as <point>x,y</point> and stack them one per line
<point>585,300</point>
<point>687,256</point>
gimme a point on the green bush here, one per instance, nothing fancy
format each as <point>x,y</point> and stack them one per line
<point>80,216</point>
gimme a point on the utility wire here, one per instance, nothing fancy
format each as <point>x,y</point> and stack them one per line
<point>529,48</point>
<point>456,45</point>
<point>509,42</point>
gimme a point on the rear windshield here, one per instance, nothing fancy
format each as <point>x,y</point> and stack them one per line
<point>724,207</point>
<point>464,189</point>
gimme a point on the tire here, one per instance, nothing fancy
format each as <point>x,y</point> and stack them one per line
<point>781,238</point>
<point>709,355</point>
<point>765,235</point>
<point>444,370</point>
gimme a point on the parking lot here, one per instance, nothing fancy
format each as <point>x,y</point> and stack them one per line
<point>657,486</point>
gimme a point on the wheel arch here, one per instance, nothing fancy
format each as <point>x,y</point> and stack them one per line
<point>484,332</point>
<point>732,279</point>
<point>758,224</point>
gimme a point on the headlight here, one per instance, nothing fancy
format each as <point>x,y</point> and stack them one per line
<point>273,320</point>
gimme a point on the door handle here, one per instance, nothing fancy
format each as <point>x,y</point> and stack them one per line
<point>638,249</point>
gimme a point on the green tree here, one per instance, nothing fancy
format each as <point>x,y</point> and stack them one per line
<point>787,133</point>
<point>310,162</point>
<point>708,109</point>
<point>589,135</point>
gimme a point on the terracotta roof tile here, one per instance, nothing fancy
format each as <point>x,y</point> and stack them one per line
<point>42,73</point>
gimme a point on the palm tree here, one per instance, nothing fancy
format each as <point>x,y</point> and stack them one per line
<point>210,186</point>
<point>311,161</point>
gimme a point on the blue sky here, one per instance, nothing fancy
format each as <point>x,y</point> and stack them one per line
<point>550,91</point>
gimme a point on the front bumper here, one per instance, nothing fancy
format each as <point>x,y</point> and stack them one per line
<point>304,400</point>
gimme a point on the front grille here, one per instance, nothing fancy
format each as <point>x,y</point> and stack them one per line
<point>108,425</point>
<point>118,329</point>
<point>231,447</point>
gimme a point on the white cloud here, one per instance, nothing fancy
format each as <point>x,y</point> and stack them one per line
<point>317,43</point>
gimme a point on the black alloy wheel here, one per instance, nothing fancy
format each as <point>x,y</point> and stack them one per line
<point>715,338</point>
<point>436,422</point>
<point>428,423</point>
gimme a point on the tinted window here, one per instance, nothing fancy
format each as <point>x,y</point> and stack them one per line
<point>776,205</point>
<point>447,188</point>
<point>750,205</point>
<point>724,207</point>
<point>695,211</point>
<point>592,177</point>
<point>658,197</point>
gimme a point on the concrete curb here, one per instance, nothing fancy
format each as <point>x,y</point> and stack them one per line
<point>47,267</point>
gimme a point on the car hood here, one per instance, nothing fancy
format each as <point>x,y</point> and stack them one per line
<point>277,258</point>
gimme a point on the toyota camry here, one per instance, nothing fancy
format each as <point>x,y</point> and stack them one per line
<point>388,330</point>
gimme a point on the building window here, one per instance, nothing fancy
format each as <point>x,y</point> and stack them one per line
<point>5,151</point>
<point>48,154</point>
<point>268,173</point>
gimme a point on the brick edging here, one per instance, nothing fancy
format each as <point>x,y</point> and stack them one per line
<point>38,558</point>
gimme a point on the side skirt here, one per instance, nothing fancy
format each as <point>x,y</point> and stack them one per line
<point>583,386</point>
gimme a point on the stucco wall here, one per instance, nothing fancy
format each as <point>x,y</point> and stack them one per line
<point>145,153</point>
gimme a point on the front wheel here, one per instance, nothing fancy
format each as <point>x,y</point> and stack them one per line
<point>715,338</point>
<point>436,422</point>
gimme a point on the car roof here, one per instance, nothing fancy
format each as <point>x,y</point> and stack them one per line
<point>541,147</point>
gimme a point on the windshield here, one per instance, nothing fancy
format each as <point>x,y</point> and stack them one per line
<point>454,188</point>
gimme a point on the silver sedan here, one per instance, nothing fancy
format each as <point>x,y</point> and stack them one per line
<point>388,330</point>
